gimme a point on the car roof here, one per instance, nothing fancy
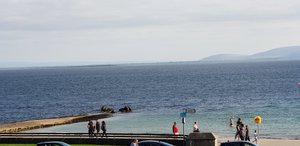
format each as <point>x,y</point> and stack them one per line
<point>155,141</point>
<point>239,142</point>
<point>58,142</point>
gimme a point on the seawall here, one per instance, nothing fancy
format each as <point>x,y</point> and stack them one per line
<point>42,123</point>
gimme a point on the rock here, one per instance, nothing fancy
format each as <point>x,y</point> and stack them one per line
<point>125,109</point>
<point>107,109</point>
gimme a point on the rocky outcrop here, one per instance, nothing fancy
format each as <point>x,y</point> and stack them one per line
<point>107,109</point>
<point>125,109</point>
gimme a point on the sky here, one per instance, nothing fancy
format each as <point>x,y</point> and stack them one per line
<point>59,32</point>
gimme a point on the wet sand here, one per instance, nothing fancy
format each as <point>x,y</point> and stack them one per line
<point>42,123</point>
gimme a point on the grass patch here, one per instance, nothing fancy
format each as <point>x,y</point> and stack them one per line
<point>35,145</point>
<point>17,144</point>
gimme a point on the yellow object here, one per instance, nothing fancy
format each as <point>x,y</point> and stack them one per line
<point>257,119</point>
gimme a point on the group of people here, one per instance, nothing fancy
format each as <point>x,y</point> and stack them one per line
<point>242,130</point>
<point>92,128</point>
<point>175,129</point>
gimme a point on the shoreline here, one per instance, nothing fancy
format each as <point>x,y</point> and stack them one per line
<point>43,123</point>
<point>227,138</point>
<point>231,138</point>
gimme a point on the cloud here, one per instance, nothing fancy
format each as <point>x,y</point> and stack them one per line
<point>72,15</point>
<point>159,30</point>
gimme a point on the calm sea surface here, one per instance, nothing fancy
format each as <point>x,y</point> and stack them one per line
<point>158,93</point>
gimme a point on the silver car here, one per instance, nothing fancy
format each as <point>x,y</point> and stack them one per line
<point>153,143</point>
<point>52,143</point>
<point>238,143</point>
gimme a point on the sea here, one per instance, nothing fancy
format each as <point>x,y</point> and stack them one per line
<point>158,93</point>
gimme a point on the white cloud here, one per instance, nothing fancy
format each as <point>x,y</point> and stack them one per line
<point>140,30</point>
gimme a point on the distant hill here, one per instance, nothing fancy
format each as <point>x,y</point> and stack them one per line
<point>283,53</point>
<point>225,57</point>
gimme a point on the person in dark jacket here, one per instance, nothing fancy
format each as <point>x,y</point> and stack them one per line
<point>103,128</point>
<point>97,127</point>
<point>90,127</point>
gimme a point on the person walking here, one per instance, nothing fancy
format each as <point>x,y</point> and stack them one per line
<point>242,132</point>
<point>175,129</point>
<point>90,127</point>
<point>195,127</point>
<point>103,128</point>
<point>247,133</point>
<point>97,127</point>
<point>255,137</point>
<point>237,133</point>
<point>238,129</point>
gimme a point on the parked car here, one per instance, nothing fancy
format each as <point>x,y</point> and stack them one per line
<point>238,143</point>
<point>52,143</point>
<point>153,143</point>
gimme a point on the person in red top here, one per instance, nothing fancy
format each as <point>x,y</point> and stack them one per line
<point>175,129</point>
<point>90,127</point>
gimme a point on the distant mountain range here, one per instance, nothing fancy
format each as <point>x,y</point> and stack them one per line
<point>278,54</point>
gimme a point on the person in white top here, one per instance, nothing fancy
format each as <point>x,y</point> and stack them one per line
<point>195,127</point>
<point>134,143</point>
<point>255,137</point>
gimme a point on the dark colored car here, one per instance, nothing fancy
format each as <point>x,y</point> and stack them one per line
<point>153,143</point>
<point>52,143</point>
<point>238,143</point>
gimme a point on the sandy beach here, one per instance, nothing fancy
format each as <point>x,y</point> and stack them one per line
<point>41,123</point>
<point>278,142</point>
<point>271,142</point>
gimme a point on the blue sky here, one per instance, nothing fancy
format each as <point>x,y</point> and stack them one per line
<point>59,32</point>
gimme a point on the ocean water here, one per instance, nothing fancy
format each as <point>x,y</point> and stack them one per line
<point>158,93</point>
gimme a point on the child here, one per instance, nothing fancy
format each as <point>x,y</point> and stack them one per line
<point>255,136</point>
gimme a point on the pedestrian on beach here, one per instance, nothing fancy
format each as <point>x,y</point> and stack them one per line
<point>134,142</point>
<point>103,128</point>
<point>242,133</point>
<point>255,137</point>
<point>90,128</point>
<point>97,127</point>
<point>231,120</point>
<point>195,127</point>
<point>238,129</point>
<point>247,133</point>
<point>237,133</point>
<point>175,129</point>
<point>93,131</point>
<point>239,121</point>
